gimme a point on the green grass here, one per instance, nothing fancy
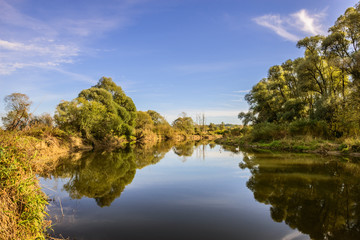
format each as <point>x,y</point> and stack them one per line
<point>294,144</point>
<point>22,203</point>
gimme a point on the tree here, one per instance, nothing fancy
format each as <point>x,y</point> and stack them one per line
<point>45,119</point>
<point>157,118</point>
<point>212,127</point>
<point>184,124</point>
<point>144,121</point>
<point>101,110</point>
<point>18,105</point>
<point>161,126</point>
<point>344,41</point>
<point>222,126</point>
<point>322,86</point>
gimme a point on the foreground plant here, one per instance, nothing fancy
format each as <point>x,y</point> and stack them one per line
<point>22,203</point>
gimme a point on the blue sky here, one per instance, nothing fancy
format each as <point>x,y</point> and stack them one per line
<point>171,56</point>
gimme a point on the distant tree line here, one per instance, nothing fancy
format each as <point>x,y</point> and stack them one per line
<point>318,93</point>
<point>103,112</point>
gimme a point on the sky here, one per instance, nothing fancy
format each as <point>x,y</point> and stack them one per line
<point>171,56</point>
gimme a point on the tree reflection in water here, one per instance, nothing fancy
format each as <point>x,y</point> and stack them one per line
<point>103,176</point>
<point>319,197</point>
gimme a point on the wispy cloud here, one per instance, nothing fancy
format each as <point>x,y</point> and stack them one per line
<point>28,41</point>
<point>275,23</point>
<point>34,44</point>
<point>79,77</point>
<point>295,25</point>
<point>239,95</point>
<point>16,55</point>
<point>242,91</point>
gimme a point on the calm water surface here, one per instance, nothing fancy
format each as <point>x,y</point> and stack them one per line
<point>204,192</point>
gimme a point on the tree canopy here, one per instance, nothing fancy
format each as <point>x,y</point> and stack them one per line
<point>184,124</point>
<point>18,115</point>
<point>101,110</point>
<point>323,85</point>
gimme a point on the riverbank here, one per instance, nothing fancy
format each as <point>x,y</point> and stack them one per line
<point>22,203</point>
<point>23,154</point>
<point>306,144</point>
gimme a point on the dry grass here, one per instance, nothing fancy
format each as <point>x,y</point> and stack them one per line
<point>22,202</point>
<point>8,224</point>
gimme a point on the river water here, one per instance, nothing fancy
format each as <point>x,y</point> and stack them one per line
<point>195,191</point>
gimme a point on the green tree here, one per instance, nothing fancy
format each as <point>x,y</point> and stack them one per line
<point>44,119</point>
<point>184,124</point>
<point>144,121</point>
<point>101,110</point>
<point>161,126</point>
<point>18,105</point>
<point>322,86</point>
<point>157,118</point>
<point>212,127</point>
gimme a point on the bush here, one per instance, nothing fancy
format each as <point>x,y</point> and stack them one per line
<point>309,127</point>
<point>268,131</point>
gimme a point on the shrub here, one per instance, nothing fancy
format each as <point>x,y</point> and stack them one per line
<point>309,127</point>
<point>268,131</point>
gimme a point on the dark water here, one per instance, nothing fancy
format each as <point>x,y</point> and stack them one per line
<point>204,192</point>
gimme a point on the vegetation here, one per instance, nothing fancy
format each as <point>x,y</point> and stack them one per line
<point>151,125</point>
<point>102,115</point>
<point>97,112</point>
<point>18,115</point>
<point>22,203</point>
<point>317,95</point>
<point>184,124</point>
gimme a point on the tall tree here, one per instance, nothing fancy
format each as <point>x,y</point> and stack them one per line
<point>101,110</point>
<point>18,106</point>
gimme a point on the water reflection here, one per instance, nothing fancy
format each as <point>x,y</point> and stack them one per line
<point>319,197</point>
<point>103,176</point>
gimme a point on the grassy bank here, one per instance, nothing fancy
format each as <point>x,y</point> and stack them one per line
<point>349,146</point>
<point>22,155</point>
<point>25,153</point>
<point>22,203</point>
<point>299,136</point>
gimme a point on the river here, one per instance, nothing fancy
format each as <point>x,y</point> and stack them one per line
<point>196,191</point>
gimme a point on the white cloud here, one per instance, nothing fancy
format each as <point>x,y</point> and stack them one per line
<point>40,54</point>
<point>242,91</point>
<point>10,15</point>
<point>275,23</point>
<point>28,41</point>
<point>294,26</point>
<point>307,23</point>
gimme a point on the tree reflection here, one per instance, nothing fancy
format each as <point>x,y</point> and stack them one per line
<point>104,176</point>
<point>185,149</point>
<point>146,155</point>
<point>319,197</point>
